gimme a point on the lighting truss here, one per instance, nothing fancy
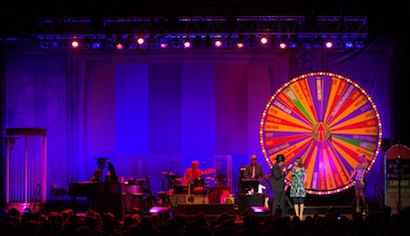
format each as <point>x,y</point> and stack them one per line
<point>172,32</point>
<point>196,25</point>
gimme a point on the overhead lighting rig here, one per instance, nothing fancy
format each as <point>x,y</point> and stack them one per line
<point>131,33</point>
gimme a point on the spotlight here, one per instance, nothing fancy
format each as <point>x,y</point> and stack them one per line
<point>349,44</point>
<point>96,45</point>
<point>140,41</point>
<point>329,44</point>
<point>54,44</point>
<point>359,44</point>
<point>218,43</point>
<point>240,44</point>
<point>264,40</point>
<point>119,46</point>
<point>163,43</point>
<point>283,45</point>
<point>187,44</point>
<point>75,44</point>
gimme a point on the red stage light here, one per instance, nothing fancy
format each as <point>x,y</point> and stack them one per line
<point>119,46</point>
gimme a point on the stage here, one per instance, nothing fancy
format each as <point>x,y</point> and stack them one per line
<point>211,207</point>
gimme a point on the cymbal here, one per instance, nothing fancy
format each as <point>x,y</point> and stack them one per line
<point>167,173</point>
<point>208,171</point>
<point>178,179</point>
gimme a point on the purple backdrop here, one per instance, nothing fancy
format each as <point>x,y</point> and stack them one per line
<point>144,109</point>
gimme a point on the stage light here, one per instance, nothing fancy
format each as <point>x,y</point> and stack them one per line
<point>359,44</point>
<point>140,41</point>
<point>119,46</point>
<point>349,44</point>
<point>329,44</point>
<point>283,45</point>
<point>264,40</point>
<point>54,44</point>
<point>292,45</point>
<point>240,44</point>
<point>96,45</point>
<point>75,44</point>
<point>187,44</point>
<point>218,43</point>
<point>163,45</point>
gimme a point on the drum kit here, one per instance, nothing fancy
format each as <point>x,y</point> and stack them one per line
<point>200,185</point>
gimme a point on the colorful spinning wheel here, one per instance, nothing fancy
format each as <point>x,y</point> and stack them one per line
<point>327,120</point>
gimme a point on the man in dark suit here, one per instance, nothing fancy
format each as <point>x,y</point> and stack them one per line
<point>278,186</point>
<point>253,171</point>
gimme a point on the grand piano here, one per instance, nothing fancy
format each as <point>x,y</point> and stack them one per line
<point>104,196</point>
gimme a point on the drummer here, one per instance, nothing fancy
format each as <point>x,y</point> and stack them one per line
<point>191,174</point>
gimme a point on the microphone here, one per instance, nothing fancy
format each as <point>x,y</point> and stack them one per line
<point>175,160</point>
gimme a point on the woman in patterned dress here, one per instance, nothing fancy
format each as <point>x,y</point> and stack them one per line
<point>297,189</point>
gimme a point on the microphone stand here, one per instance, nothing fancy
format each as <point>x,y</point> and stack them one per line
<point>166,188</point>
